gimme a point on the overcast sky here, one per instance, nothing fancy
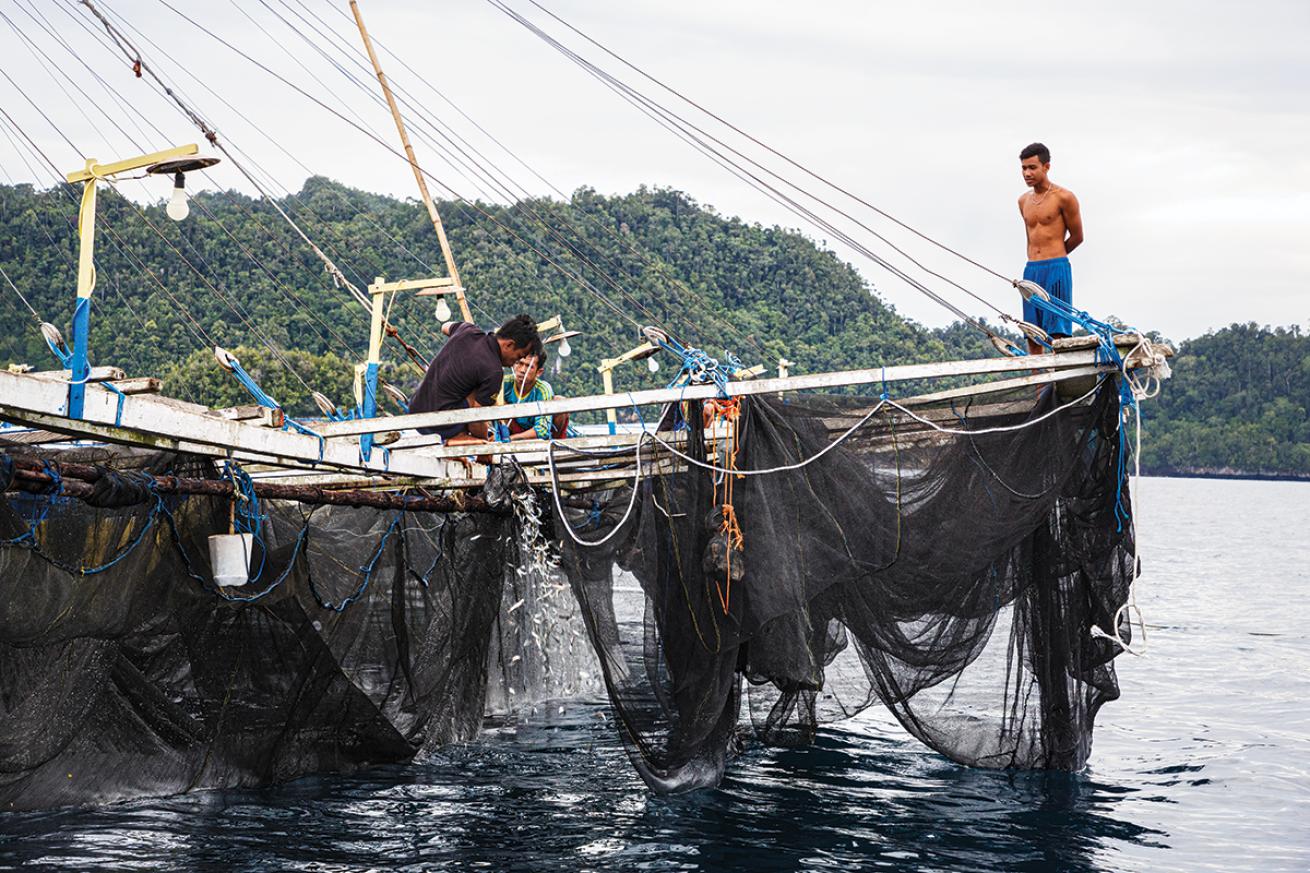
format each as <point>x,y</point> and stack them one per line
<point>1184,128</point>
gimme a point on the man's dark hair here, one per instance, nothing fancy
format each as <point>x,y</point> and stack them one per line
<point>542,355</point>
<point>522,331</point>
<point>1036,150</point>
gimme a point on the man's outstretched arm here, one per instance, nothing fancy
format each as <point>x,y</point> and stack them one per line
<point>1073,221</point>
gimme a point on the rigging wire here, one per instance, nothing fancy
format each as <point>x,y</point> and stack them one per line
<point>429,126</point>
<point>676,125</point>
<point>251,162</point>
<point>130,114</point>
<point>61,187</point>
<point>679,286</point>
<point>545,256</point>
<point>324,225</point>
<point>197,329</point>
<point>770,149</point>
<point>232,304</point>
<point>212,136</point>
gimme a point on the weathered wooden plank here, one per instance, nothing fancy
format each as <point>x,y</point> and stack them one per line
<point>1001,385</point>
<point>647,397</point>
<point>263,416</point>
<point>1123,341</point>
<point>97,374</point>
<point>139,385</point>
<point>146,421</point>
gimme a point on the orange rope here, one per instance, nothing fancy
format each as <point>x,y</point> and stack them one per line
<point>729,412</point>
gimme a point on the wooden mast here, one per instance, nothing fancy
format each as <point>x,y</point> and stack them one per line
<point>451,269</point>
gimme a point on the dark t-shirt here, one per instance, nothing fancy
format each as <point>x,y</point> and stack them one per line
<point>469,363</point>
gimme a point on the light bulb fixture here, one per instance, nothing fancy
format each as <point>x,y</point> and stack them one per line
<point>652,364</point>
<point>562,337</point>
<point>443,310</point>
<point>177,208</point>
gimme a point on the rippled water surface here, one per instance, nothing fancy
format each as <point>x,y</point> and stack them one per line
<point>1204,764</point>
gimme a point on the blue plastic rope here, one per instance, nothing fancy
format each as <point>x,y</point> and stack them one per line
<point>367,570</point>
<point>252,386</point>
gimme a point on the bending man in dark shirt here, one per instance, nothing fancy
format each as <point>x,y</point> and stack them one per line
<point>468,370</point>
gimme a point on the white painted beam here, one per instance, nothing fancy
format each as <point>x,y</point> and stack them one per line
<point>648,397</point>
<point>147,421</point>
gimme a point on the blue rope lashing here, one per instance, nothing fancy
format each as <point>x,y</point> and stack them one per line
<point>130,547</point>
<point>594,517</point>
<point>248,516</point>
<point>698,367</point>
<point>27,539</point>
<point>281,577</point>
<point>118,414</point>
<point>367,570</point>
<point>251,385</point>
<point>289,423</point>
<point>885,395</point>
<point>426,577</point>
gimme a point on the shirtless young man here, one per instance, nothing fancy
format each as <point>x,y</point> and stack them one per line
<point>1055,228</point>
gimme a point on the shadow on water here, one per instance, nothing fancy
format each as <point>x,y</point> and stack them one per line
<point>555,791</point>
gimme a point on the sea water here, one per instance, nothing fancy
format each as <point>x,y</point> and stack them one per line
<point>1203,764</point>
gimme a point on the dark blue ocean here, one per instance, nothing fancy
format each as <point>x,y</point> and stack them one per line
<point>1203,764</point>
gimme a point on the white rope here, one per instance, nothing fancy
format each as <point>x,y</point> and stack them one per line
<point>559,507</point>
<point>851,430</point>
<point>1156,372</point>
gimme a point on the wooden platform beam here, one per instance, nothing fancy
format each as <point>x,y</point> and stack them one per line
<point>146,421</point>
<point>1052,362</point>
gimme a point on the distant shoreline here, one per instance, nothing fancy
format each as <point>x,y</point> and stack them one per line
<point>1203,473</point>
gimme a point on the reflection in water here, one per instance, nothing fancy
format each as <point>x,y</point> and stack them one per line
<point>1203,765</point>
<point>556,792</point>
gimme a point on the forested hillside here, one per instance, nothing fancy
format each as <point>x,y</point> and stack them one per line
<point>1238,404</point>
<point>234,274</point>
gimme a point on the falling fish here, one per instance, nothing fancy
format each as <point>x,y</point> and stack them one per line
<point>516,606</point>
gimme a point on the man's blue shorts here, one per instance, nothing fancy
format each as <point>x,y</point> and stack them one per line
<point>1056,277</point>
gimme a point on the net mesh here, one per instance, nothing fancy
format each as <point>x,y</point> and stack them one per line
<point>952,577</point>
<point>141,680</point>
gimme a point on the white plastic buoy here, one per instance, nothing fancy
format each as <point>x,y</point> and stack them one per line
<point>229,554</point>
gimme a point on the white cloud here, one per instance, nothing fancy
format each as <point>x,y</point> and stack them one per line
<point>1183,127</point>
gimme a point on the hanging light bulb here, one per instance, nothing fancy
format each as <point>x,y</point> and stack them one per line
<point>443,309</point>
<point>177,208</point>
<point>564,348</point>
<point>652,364</point>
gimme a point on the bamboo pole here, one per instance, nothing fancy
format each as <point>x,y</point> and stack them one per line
<point>79,481</point>
<point>413,164</point>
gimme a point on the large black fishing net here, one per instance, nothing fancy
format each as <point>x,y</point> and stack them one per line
<point>952,577</point>
<point>141,679</point>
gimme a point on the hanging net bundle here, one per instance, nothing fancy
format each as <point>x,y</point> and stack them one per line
<point>952,577</point>
<point>949,567</point>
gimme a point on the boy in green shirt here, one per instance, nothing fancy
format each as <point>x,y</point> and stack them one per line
<point>525,385</point>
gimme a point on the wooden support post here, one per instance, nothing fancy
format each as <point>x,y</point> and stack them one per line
<point>607,377</point>
<point>413,163</point>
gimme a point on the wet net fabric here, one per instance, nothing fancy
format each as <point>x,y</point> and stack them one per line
<point>368,646</point>
<point>952,578</point>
